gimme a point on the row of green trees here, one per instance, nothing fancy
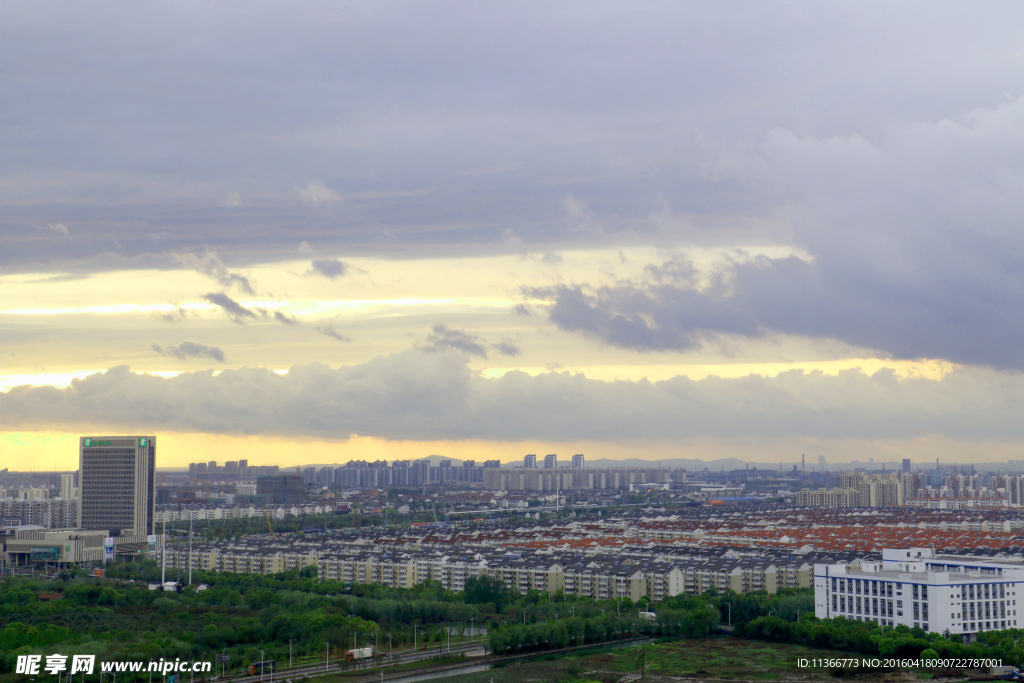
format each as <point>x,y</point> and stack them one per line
<point>695,623</point>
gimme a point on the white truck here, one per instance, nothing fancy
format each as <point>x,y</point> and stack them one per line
<point>359,653</point>
<point>1007,672</point>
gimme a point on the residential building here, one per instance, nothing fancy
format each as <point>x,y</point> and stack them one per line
<point>67,487</point>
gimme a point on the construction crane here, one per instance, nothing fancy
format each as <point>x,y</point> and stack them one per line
<point>266,513</point>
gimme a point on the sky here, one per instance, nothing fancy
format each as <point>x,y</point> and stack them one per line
<point>319,231</point>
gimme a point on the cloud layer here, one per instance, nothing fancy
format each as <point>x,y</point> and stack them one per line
<point>429,396</point>
<point>914,243</point>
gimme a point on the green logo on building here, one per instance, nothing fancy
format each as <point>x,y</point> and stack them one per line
<point>142,442</point>
<point>88,443</point>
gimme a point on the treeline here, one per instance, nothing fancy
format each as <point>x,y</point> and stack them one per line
<point>696,623</point>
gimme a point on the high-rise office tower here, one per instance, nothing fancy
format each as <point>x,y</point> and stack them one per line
<point>550,461</point>
<point>530,460</point>
<point>67,487</point>
<point>577,461</point>
<point>282,489</point>
<point>117,490</point>
<point>906,464</point>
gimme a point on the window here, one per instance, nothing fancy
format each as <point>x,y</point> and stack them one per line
<point>833,585</point>
<point>1002,591</point>
<point>970,591</point>
<point>986,592</point>
<point>924,592</point>
<point>915,591</point>
<point>835,602</point>
<point>874,588</point>
<point>924,610</point>
<point>856,586</point>
<point>917,610</point>
<point>888,589</point>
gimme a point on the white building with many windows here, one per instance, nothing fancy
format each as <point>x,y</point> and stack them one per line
<point>961,594</point>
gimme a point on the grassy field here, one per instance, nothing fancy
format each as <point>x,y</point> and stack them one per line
<point>725,659</point>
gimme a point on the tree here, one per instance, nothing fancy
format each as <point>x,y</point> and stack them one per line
<point>484,589</point>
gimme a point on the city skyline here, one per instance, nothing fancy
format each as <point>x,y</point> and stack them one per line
<point>682,232</point>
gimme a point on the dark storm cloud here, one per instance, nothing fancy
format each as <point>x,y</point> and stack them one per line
<point>186,350</point>
<point>235,310</point>
<point>884,142</point>
<point>330,267</point>
<point>916,253</point>
<point>437,396</point>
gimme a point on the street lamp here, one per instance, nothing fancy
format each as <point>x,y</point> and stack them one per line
<point>262,655</point>
<point>290,641</point>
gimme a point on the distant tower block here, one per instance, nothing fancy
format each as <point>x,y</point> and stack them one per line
<point>577,461</point>
<point>117,487</point>
<point>550,461</point>
<point>530,460</point>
